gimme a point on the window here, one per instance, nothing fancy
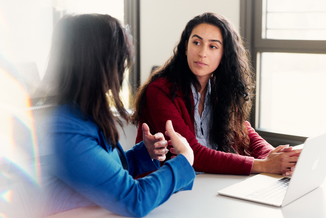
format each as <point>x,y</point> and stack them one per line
<point>294,20</point>
<point>26,42</point>
<point>287,42</point>
<point>124,10</point>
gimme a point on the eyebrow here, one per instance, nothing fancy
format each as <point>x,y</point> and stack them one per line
<point>211,40</point>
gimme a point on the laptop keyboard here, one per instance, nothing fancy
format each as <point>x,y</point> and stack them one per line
<point>275,191</point>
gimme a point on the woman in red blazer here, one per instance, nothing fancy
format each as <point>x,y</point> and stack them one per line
<point>206,89</point>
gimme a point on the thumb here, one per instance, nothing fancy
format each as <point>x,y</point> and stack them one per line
<point>145,129</point>
<point>169,129</point>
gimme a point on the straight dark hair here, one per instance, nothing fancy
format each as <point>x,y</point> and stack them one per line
<point>88,57</point>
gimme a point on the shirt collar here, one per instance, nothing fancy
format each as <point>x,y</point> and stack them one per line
<point>197,94</point>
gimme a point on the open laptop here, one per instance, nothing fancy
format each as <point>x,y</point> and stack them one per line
<point>308,175</point>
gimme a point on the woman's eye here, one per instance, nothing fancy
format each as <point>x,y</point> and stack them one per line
<point>214,47</point>
<point>196,43</point>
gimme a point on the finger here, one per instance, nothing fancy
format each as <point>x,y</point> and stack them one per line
<point>297,149</point>
<point>287,149</point>
<point>293,159</point>
<point>287,173</point>
<point>161,158</point>
<point>290,165</point>
<point>159,136</point>
<point>169,129</point>
<point>287,167</point>
<point>145,129</point>
<point>295,153</point>
<point>160,144</point>
<point>162,151</point>
<point>173,151</point>
<point>280,148</point>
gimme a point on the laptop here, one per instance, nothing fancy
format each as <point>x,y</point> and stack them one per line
<point>277,190</point>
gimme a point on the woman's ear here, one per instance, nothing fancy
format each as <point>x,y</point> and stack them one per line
<point>186,46</point>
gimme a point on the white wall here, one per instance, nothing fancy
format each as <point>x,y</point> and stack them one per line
<point>162,21</point>
<point>161,24</point>
<point>128,136</point>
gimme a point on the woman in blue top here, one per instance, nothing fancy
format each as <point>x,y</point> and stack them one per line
<point>86,164</point>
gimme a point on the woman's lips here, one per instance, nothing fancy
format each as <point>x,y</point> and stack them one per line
<point>200,64</point>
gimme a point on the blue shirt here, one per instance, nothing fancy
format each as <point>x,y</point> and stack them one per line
<point>202,123</point>
<point>82,169</point>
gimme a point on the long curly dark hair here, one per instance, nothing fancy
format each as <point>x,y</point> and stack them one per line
<point>88,57</point>
<point>231,83</point>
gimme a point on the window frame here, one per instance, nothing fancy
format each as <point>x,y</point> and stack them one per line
<point>132,19</point>
<point>250,30</point>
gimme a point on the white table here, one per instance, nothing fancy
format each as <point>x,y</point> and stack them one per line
<point>204,202</point>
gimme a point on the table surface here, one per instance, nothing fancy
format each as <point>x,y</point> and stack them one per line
<point>204,201</point>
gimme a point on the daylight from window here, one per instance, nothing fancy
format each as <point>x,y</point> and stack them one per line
<point>291,86</point>
<point>293,93</point>
<point>294,19</point>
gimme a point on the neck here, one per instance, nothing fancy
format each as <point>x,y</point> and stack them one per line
<point>203,86</point>
<point>202,91</point>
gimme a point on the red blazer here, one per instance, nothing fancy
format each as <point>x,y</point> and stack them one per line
<point>160,108</point>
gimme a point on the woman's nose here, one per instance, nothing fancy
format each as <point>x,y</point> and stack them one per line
<point>202,52</point>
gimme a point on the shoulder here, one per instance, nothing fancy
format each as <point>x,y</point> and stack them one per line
<point>162,85</point>
<point>67,118</point>
<point>66,113</point>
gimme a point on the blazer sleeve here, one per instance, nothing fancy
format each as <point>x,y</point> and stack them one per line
<point>139,161</point>
<point>82,164</point>
<point>161,108</point>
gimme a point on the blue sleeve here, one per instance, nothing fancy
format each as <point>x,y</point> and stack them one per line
<point>97,174</point>
<point>139,161</point>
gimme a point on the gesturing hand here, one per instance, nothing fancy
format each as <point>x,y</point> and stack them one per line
<point>156,144</point>
<point>179,143</point>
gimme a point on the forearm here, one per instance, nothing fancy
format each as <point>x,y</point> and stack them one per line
<point>212,161</point>
<point>102,180</point>
<point>139,160</point>
<point>259,148</point>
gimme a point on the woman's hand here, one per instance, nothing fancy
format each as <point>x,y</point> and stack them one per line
<point>281,160</point>
<point>156,144</point>
<point>179,143</point>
